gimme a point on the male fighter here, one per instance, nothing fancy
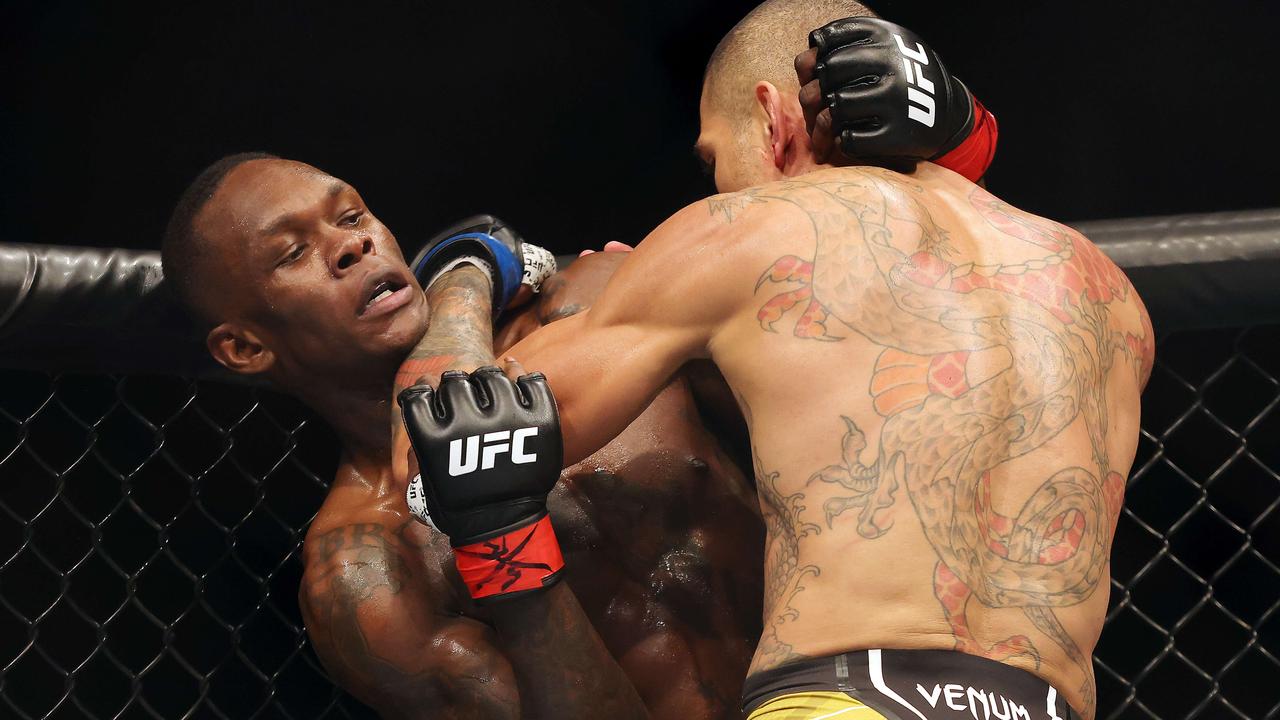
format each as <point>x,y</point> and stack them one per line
<point>298,282</point>
<point>661,540</point>
<point>941,391</point>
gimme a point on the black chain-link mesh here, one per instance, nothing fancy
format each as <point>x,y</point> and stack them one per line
<point>150,530</point>
<point>1192,629</point>
<point>149,538</point>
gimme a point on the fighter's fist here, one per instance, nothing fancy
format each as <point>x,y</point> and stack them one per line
<point>516,269</point>
<point>874,92</point>
<point>489,451</point>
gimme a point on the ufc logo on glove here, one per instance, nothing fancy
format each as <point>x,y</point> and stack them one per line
<point>493,510</point>
<point>464,452</point>
<point>913,62</point>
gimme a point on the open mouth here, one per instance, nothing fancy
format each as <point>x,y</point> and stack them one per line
<point>385,293</point>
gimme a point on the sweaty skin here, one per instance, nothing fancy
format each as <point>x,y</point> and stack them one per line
<point>660,531</point>
<point>942,396</point>
<point>311,292</point>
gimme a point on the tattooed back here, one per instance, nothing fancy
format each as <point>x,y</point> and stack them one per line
<point>942,392</point>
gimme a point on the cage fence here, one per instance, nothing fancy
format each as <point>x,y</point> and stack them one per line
<point>1192,629</point>
<point>150,530</point>
<point>151,525</point>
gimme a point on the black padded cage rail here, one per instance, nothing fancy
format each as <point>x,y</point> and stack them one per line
<point>152,509</point>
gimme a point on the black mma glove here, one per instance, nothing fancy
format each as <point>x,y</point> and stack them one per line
<point>489,451</point>
<point>892,101</point>
<point>491,245</point>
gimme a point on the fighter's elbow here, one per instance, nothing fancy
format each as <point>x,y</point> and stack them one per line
<point>458,679</point>
<point>404,663</point>
<point>454,677</point>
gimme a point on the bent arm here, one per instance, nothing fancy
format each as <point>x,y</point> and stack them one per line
<point>550,647</point>
<point>663,307</point>
<point>603,374</point>
<point>386,644</point>
<point>383,642</point>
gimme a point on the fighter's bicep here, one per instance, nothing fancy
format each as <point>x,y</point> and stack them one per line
<point>380,638</point>
<point>661,308</point>
<point>686,277</point>
<point>603,375</point>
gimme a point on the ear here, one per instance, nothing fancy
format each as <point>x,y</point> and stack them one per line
<point>239,350</point>
<point>779,135</point>
<point>788,137</point>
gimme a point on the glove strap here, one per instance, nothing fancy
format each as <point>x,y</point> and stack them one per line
<point>517,561</point>
<point>480,263</point>
<point>973,156</point>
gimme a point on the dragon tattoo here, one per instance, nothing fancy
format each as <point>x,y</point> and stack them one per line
<point>943,434</point>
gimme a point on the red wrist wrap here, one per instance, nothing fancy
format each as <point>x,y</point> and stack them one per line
<point>972,157</point>
<point>526,558</point>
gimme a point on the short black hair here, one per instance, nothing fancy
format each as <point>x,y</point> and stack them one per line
<point>763,46</point>
<point>182,251</point>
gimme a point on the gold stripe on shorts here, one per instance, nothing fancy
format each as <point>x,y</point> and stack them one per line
<point>814,706</point>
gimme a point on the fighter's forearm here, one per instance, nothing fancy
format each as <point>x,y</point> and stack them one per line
<point>555,653</point>
<point>561,665</point>
<point>460,336</point>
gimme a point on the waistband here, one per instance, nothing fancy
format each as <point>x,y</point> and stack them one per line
<point>916,685</point>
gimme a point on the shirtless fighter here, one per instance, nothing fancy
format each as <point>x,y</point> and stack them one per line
<point>941,392</point>
<point>284,263</point>
<point>660,530</point>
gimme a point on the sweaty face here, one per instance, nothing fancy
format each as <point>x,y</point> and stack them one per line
<point>733,149</point>
<point>310,271</point>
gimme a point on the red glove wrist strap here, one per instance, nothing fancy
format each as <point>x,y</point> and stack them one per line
<point>972,157</point>
<point>526,558</point>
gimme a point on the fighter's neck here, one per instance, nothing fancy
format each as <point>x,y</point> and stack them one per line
<point>362,419</point>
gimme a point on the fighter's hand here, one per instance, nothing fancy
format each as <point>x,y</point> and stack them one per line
<point>516,269</point>
<point>817,116</point>
<point>609,247</point>
<point>489,451</point>
<point>873,92</point>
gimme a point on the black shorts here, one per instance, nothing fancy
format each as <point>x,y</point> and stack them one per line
<point>902,685</point>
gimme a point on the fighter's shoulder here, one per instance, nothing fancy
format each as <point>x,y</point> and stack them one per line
<point>708,245</point>
<point>771,208</point>
<point>334,540</point>
<point>711,237</point>
<point>565,294</point>
<point>354,522</point>
<point>362,551</point>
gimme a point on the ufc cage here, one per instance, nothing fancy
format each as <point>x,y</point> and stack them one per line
<point>152,510</point>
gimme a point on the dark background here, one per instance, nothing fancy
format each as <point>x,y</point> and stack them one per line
<point>574,119</point>
<point>149,526</point>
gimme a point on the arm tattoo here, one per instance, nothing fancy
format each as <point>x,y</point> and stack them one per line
<point>461,330</point>
<point>561,664</point>
<point>941,437</point>
<point>361,568</point>
<point>460,336</point>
